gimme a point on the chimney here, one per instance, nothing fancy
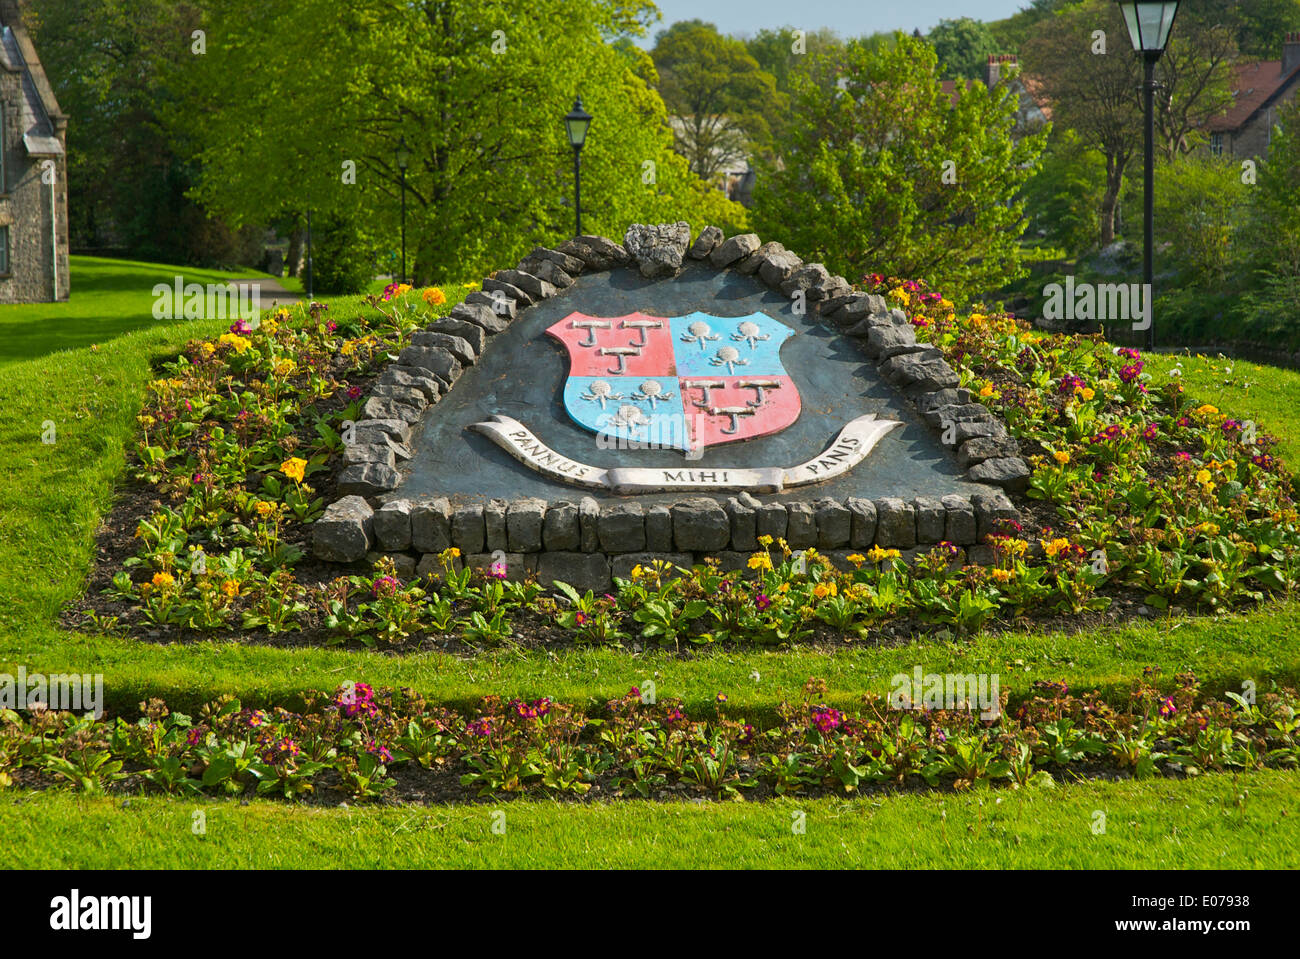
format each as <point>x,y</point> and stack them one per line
<point>1290,53</point>
<point>997,67</point>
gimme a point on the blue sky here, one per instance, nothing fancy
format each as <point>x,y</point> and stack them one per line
<point>849,18</point>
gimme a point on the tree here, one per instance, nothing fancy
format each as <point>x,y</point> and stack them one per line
<point>127,178</point>
<point>783,51</point>
<point>1064,195</point>
<point>302,105</point>
<point>715,92</point>
<point>886,174</point>
<point>1084,65</point>
<point>963,47</point>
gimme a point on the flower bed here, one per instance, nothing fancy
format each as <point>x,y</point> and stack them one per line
<point>1138,494</point>
<point>362,744</point>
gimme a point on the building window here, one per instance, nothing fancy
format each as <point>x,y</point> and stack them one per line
<point>1216,144</point>
<point>4,251</point>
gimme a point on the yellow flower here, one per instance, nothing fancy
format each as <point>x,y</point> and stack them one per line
<point>637,571</point>
<point>239,343</point>
<point>269,326</point>
<point>1203,477</point>
<point>822,590</point>
<point>163,580</point>
<point>230,589</point>
<point>760,561</point>
<point>1061,457</point>
<point>765,540</point>
<point>987,390</point>
<point>1207,410</point>
<point>146,420</point>
<point>1002,575</point>
<point>284,367</point>
<point>1086,393</point>
<point>264,508</point>
<point>1055,547</point>
<point>348,348</point>
<point>783,588</point>
<point>294,468</point>
<point>1209,529</point>
<point>208,349</point>
<point>434,296</point>
<point>857,559</point>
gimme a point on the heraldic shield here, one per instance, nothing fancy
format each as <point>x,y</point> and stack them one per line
<point>685,382</point>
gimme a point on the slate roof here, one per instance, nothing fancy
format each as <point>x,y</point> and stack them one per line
<point>38,130</point>
<point>1255,86</point>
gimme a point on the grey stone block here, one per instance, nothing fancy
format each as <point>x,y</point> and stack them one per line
<point>931,519</point>
<point>468,532</point>
<point>344,532</point>
<point>582,571</point>
<point>494,524</point>
<point>589,523</point>
<point>772,520</point>
<point>457,346</point>
<point>991,509</point>
<point>710,239</point>
<point>862,532</point>
<point>524,520</point>
<point>439,362</point>
<point>733,249</point>
<point>700,525</point>
<point>801,529</point>
<point>744,525</point>
<point>959,520</point>
<point>392,525</point>
<point>480,315</point>
<point>535,287</point>
<point>560,529</point>
<point>498,303</point>
<point>385,408</point>
<point>519,566</point>
<point>493,285</point>
<point>367,479</point>
<point>895,524</point>
<point>471,333</point>
<point>750,264</point>
<point>659,529</point>
<point>834,523</point>
<point>622,528</point>
<point>431,525</point>
<point>1009,472</point>
<point>658,248</point>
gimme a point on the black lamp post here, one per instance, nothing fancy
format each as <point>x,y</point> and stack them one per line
<point>576,122</point>
<point>1149,23</point>
<point>403,158</point>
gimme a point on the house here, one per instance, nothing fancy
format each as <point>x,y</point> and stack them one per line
<point>1259,89</point>
<point>33,172</point>
<point>1033,112</point>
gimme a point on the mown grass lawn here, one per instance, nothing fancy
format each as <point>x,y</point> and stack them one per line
<point>1216,822</point>
<point>53,494</point>
<point>109,298</point>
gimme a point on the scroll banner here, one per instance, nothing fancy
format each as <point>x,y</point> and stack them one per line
<point>858,438</point>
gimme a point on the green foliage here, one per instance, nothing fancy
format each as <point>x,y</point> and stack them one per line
<point>963,46</point>
<point>867,171</point>
<point>1064,195</point>
<point>343,257</point>
<point>478,90</point>
<point>716,94</point>
<point>1199,207</point>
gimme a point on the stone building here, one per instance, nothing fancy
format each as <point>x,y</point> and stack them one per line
<point>1259,89</point>
<point>33,172</point>
<point>1033,112</point>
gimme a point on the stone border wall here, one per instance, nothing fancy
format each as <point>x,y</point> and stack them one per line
<point>584,543</point>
